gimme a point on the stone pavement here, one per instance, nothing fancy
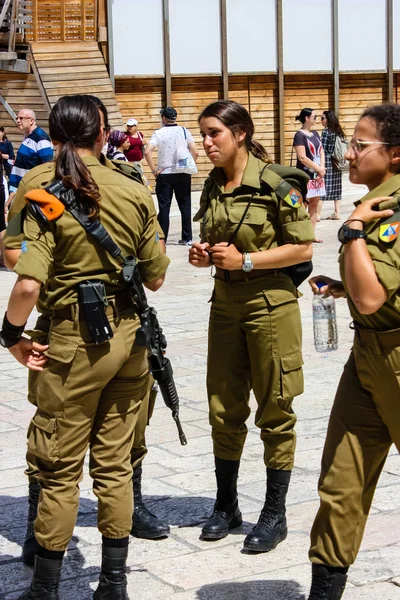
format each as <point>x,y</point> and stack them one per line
<point>179,481</point>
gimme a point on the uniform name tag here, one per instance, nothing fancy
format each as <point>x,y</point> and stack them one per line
<point>294,198</point>
<point>389,232</point>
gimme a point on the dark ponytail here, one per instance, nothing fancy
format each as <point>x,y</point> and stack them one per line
<point>237,119</point>
<point>74,122</point>
<point>305,112</point>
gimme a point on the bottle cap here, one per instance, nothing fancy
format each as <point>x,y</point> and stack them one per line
<point>321,284</point>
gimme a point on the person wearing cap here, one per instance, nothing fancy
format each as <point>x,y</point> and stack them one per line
<point>171,176</point>
<point>135,152</point>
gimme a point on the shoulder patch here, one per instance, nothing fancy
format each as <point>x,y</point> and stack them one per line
<point>294,198</point>
<point>389,231</point>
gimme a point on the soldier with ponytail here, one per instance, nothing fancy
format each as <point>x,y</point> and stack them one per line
<point>88,391</point>
<point>253,226</point>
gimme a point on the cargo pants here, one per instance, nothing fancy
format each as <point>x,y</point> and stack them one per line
<point>364,422</point>
<point>139,448</point>
<point>255,343</point>
<point>87,396</point>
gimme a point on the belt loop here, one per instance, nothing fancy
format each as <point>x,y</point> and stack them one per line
<point>74,308</point>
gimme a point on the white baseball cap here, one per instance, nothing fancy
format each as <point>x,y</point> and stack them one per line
<point>131,122</point>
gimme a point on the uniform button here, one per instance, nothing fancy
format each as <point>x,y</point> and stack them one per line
<point>216,224</point>
<point>247,216</point>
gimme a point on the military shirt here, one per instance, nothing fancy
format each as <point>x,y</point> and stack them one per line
<point>268,223</point>
<point>65,255</point>
<point>385,256</point>
<point>14,234</point>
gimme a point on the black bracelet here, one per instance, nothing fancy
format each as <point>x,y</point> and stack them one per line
<point>10,332</point>
<point>353,220</point>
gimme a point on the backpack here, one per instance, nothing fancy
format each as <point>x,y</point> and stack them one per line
<point>338,160</point>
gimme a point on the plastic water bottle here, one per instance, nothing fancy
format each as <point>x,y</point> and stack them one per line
<point>324,321</point>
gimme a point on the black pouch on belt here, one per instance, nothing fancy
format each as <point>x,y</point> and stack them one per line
<point>92,303</point>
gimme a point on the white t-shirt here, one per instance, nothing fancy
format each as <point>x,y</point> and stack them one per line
<point>171,145</point>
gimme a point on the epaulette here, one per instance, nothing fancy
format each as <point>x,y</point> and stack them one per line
<point>128,170</point>
<point>288,183</point>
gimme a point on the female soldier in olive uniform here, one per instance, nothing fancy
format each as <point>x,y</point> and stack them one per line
<point>365,417</point>
<point>250,235</point>
<point>87,393</point>
<point>144,523</point>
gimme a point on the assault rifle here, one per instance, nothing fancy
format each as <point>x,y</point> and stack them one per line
<point>151,335</point>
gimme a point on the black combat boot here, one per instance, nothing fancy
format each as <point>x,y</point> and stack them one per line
<point>328,583</point>
<point>30,547</point>
<point>226,513</point>
<point>112,582</point>
<point>45,581</point>
<point>144,523</point>
<point>271,528</point>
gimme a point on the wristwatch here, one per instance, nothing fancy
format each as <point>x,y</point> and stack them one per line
<point>345,234</point>
<point>247,265</point>
<point>10,334</point>
<point>6,342</point>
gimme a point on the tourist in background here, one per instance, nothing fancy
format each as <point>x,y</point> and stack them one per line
<point>137,143</point>
<point>7,151</point>
<point>311,159</point>
<point>118,143</point>
<point>333,177</point>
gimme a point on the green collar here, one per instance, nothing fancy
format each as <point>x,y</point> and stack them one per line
<point>251,175</point>
<point>387,188</point>
<point>90,160</point>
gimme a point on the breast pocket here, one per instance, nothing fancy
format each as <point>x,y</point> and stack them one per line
<point>251,232</point>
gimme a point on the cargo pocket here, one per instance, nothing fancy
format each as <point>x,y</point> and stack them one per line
<point>42,438</point>
<point>292,380</point>
<point>280,296</point>
<point>62,348</point>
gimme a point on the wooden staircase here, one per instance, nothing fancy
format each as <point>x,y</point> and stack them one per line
<point>69,68</point>
<point>21,91</point>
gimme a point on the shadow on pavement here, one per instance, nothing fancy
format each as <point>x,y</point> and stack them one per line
<point>15,577</point>
<point>267,590</point>
<point>186,511</point>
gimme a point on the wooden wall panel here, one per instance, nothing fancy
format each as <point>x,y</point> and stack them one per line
<point>304,91</point>
<point>143,98</point>
<point>356,93</point>
<point>263,93</point>
<point>190,96</point>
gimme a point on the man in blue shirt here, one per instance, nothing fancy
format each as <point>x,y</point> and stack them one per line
<point>35,149</point>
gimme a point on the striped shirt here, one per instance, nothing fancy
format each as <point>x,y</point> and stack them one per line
<point>34,150</point>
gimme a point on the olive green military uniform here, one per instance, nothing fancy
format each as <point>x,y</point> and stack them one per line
<point>365,417</point>
<point>13,240</point>
<point>88,394</point>
<point>255,329</point>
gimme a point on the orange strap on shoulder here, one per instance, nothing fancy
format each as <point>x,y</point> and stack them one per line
<point>51,206</point>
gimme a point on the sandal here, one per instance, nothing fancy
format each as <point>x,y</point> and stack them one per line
<point>333,217</point>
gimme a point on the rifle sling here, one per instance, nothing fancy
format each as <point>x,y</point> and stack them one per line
<point>94,228</point>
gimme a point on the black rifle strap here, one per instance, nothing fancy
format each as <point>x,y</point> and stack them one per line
<point>94,228</point>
